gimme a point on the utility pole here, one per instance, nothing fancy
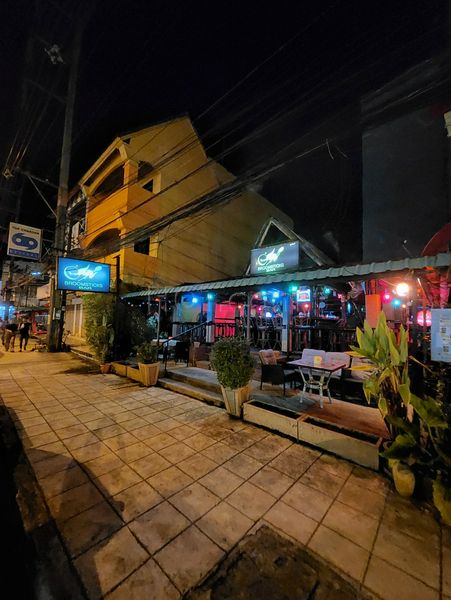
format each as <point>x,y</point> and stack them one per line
<point>58,298</point>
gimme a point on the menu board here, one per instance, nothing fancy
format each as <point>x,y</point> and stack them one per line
<point>441,334</point>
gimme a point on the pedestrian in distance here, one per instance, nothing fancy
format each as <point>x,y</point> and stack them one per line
<point>2,330</point>
<point>24,333</point>
<point>10,335</point>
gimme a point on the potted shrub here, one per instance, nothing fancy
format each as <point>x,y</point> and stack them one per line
<point>420,427</point>
<point>148,364</point>
<point>232,361</point>
<point>99,311</point>
<point>101,340</point>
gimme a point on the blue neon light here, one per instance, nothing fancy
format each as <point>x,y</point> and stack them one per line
<point>83,275</point>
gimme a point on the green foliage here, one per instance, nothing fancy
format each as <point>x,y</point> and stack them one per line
<point>388,385</point>
<point>419,426</point>
<point>99,314</point>
<point>232,361</point>
<point>147,353</point>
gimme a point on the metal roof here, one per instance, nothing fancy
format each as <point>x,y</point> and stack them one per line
<point>330,273</point>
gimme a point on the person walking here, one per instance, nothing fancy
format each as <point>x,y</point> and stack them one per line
<point>10,335</point>
<point>2,330</point>
<point>24,332</point>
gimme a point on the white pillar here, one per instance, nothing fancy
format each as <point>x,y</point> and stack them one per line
<point>286,317</point>
<point>210,334</point>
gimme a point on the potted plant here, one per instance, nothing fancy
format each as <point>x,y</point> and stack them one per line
<point>420,427</point>
<point>148,364</point>
<point>99,328</point>
<point>232,361</point>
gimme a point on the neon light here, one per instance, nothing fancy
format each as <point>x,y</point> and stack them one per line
<point>275,294</point>
<point>210,296</point>
<point>327,290</point>
<point>195,300</point>
<point>402,289</point>
<point>420,318</point>
<point>387,297</point>
<point>396,302</point>
<point>268,315</point>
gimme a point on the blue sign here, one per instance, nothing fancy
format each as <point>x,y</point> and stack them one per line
<point>274,259</point>
<point>24,241</point>
<point>82,275</point>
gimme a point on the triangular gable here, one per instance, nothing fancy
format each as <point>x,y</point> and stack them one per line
<point>275,232</point>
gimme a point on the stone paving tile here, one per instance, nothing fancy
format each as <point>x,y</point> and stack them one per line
<point>199,441</point>
<point>291,522</point>
<point>183,432</point>
<point>148,581</point>
<point>134,452</point>
<point>80,441</point>
<point>365,500</point>
<point>243,465</point>
<point>74,501</point>
<point>251,500</point>
<point>391,583</point>
<point>419,558</point>
<point>145,431</point>
<point>352,524</point>
<point>89,527</point>
<point>121,441</point>
<point>158,526</point>
<point>307,500</point>
<point>321,480</point>
<point>272,481</point>
<point>108,563</point>
<point>219,452</point>
<point>55,484</point>
<point>135,501</point>
<point>290,465</point>
<point>177,452</point>
<point>159,441</point>
<point>90,452</point>
<point>150,465</point>
<point>369,480</point>
<point>71,431</point>
<point>335,466</point>
<point>110,431</point>
<point>130,424</point>
<point>194,501</point>
<point>225,525</point>
<point>400,514</point>
<point>169,481</point>
<point>221,482</point>
<point>197,466</point>
<point>341,552</point>
<point>102,464</point>
<point>189,558</point>
<point>117,480</point>
<point>52,463</point>
<point>42,439</point>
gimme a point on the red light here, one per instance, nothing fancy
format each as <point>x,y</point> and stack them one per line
<point>387,297</point>
<point>306,306</point>
<point>420,318</point>
<point>240,306</point>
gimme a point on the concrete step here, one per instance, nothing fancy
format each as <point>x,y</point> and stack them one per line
<point>193,376</point>
<point>193,391</point>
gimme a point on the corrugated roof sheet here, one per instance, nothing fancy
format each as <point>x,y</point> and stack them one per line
<point>330,273</point>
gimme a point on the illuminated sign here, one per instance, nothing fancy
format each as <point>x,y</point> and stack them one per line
<point>274,259</point>
<point>303,295</point>
<point>82,275</point>
<point>24,241</point>
<point>441,334</point>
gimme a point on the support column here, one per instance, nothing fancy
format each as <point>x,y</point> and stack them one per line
<point>210,333</point>
<point>286,320</point>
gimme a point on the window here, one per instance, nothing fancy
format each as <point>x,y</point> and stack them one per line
<point>144,168</point>
<point>149,186</point>
<point>142,247</point>
<point>111,183</point>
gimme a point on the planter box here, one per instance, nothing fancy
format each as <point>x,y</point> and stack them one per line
<point>272,418</point>
<point>120,369</point>
<point>360,448</point>
<point>149,373</point>
<point>234,399</point>
<point>134,374</point>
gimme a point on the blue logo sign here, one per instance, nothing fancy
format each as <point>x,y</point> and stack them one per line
<point>29,243</point>
<point>83,275</point>
<point>24,241</point>
<point>274,259</point>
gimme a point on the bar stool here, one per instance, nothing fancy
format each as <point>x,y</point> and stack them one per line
<point>263,333</point>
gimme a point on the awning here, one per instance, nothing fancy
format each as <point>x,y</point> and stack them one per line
<point>346,273</point>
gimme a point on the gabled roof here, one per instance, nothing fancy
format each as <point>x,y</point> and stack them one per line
<point>315,254</point>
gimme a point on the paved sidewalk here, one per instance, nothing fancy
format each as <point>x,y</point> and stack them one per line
<point>150,489</point>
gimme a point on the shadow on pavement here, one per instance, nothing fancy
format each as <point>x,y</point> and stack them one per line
<point>62,516</point>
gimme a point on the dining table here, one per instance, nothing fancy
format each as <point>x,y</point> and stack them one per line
<point>316,375</point>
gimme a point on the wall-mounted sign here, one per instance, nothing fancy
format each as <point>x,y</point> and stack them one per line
<point>441,334</point>
<point>303,295</point>
<point>24,241</point>
<point>82,275</point>
<point>274,259</point>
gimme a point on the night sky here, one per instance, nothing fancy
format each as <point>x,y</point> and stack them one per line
<point>271,80</point>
